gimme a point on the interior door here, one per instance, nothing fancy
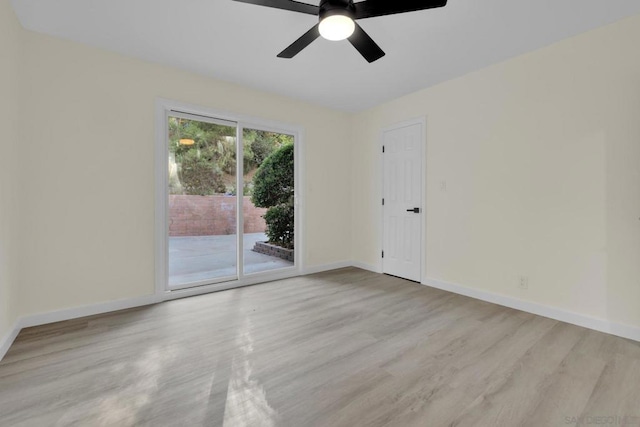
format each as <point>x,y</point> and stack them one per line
<point>403,218</point>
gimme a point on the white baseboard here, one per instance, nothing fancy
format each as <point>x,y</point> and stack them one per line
<point>621,330</point>
<point>344,264</point>
<point>7,340</point>
<point>368,267</point>
<point>87,310</point>
<point>602,325</point>
<point>71,313</point>
<point>326,267</point>
<point>107,307</point>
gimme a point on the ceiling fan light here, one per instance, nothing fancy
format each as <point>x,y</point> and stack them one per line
<point>337,27</point>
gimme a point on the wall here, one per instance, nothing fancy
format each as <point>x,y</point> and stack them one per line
<point>540,157</point>
<point>212,216</point>
<point>90,127</point>
<point>10,43</point>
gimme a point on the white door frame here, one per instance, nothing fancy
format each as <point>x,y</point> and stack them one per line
<point>165,106</point>
<point>422,121</point>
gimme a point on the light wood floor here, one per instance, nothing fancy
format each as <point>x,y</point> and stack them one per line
<point>344,348</point>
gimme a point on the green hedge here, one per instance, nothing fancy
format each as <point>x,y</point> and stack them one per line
<point>273,188</point>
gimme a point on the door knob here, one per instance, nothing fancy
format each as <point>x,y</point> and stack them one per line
<point>414,210</point>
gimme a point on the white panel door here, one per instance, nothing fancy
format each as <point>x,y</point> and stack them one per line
<point>402,210</point>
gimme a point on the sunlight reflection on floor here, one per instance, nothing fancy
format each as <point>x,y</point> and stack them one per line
<point>247,403</point>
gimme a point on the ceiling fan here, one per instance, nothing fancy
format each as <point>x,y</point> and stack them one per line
<point>337,21</point>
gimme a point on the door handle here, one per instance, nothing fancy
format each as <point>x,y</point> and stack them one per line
<point>414,210</point>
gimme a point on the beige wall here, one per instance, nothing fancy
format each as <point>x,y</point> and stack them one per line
<point>541,157</point>
<point>89,120</point>
<point>10,43</point>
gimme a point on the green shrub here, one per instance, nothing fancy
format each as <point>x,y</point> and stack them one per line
<point>198,177</point>
<point>280,222</point>
<point>262,148</point>
<point>263,143</point>
<point>273,188</point>
<point>273,184</point>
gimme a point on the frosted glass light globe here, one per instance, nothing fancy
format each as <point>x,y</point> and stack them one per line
<point>337,27</point>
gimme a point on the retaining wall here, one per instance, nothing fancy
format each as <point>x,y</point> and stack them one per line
<point>211,216</point>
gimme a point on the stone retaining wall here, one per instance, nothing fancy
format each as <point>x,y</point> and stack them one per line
<point>273,250</point>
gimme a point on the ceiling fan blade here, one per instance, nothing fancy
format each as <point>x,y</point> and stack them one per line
<point>293,6</point>
<point>373,8</point>
<point>365,45</point>
<point>304,41</point>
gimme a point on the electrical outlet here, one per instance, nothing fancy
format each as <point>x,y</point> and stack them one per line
<point>443,185</point>
<point>523,282</point>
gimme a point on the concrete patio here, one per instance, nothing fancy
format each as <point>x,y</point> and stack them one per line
<point>199,258</point>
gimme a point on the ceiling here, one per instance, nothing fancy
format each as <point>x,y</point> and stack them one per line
<point>238,42</point>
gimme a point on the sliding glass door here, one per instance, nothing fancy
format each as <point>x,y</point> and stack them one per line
<point>230,201</point>
<point>202,201</point>
<point>269,208</point>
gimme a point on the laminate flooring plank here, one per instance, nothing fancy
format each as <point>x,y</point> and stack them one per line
<point>568,391</point>
<point>511,395</point>
<point>616,392</point>
<point>341,348</point>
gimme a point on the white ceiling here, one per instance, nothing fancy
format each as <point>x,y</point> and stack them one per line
<point>239,42</point>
